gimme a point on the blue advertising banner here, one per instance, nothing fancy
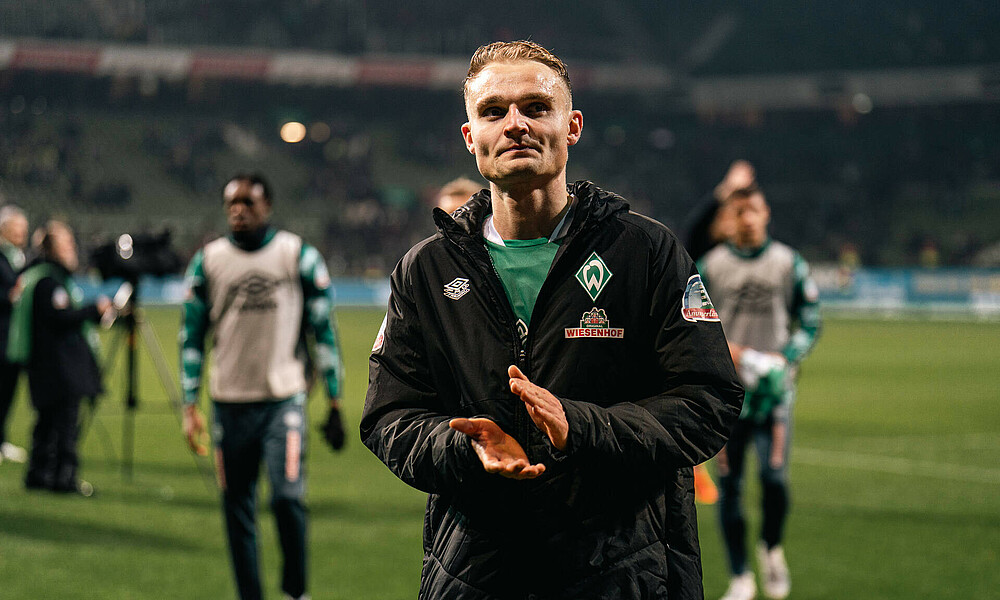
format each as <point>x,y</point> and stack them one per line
<point>171,290</point>
<point>953,291</point>
<point>975,292</point>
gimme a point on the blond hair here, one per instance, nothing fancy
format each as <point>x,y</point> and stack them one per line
<point>514,52</point>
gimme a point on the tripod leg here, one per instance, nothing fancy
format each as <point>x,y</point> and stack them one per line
<point>112,354</point>
<point>131,400</point>
<point>89,418</point>
<point>155,351</point>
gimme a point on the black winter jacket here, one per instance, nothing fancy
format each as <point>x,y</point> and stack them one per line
<point>613,516</point>
<point>8,277</point>
<point>62,364</point>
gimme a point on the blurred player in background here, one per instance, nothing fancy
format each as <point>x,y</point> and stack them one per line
<point>51,333</point>
<point>769,308</point>
<point>455,193</point>
<point>13,237</point>
<point>544,373</point>
<point>259,290</point>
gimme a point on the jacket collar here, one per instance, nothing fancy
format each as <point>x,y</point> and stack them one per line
<point>593,205</point>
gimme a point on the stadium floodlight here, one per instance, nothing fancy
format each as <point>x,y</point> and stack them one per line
<point>293,132</point>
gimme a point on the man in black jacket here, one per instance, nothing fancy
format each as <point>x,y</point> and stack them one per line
<point>49,334</point>
<point>549,369</point>
<point>13,236</point>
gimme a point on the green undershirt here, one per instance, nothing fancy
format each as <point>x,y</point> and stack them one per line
<point>522,266</point>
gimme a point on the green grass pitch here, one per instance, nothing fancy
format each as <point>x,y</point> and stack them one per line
<point>895,485</point>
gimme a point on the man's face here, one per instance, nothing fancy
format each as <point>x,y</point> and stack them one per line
<point>64,248</point>
<point>521,123</point>
<point>752,216</point>
<point>247,209</point>
<point>15,231</point>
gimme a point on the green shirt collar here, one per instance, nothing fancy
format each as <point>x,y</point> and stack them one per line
<point>562,228</point>
<point>749,252</point>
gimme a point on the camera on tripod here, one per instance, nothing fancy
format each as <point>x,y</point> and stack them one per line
<point>130,257</point>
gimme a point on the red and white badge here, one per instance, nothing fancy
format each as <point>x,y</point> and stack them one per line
<point>595,324</point>
<point>380,338</point>
<point>696,305</point>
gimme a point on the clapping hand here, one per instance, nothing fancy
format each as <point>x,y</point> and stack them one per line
<point>499,452</point>
<point>546,410</point>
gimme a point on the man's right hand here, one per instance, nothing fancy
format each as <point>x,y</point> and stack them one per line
<point>499,452</point>
<point>194,429</point>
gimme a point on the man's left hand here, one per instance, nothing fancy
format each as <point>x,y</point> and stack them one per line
<point>544,409</point>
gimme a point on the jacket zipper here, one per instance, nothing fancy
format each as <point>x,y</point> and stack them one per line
<point>557,262</point>
<point>520,356</point>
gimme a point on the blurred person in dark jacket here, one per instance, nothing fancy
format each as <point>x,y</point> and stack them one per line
<point>549,369</point>
<point>13,236</point>
<point>51,334</point>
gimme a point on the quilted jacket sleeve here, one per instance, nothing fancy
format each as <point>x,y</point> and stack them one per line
<point>403,422</point>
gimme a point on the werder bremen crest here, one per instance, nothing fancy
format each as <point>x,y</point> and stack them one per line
<point>593,276</point>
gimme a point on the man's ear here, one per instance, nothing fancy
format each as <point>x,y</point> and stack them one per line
<point>467,134</point>
<point>575,127</point>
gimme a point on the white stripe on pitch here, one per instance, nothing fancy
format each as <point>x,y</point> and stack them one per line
<point>894,465</point>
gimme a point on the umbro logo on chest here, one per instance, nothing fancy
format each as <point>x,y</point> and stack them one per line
<point>457,288</point>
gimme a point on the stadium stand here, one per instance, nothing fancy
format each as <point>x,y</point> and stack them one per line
<point>128,119</point>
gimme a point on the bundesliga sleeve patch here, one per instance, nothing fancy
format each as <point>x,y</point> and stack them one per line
<point>380,338</point>
<point>697,306</point>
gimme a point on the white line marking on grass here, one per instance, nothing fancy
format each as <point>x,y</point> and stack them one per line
<point>984,440</point>
<point>894,465</point>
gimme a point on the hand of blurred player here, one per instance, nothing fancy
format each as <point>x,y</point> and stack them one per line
<point>333,429</point>
<point>736,351</point>
<point>741,174</point>
<point>544,409</point>
<point>194,430</point>
<point>103,305</point>
<point>499,452</point>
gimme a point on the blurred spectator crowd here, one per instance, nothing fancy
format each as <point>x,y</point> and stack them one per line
<point>729,36</point>
<point>891,186</point>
